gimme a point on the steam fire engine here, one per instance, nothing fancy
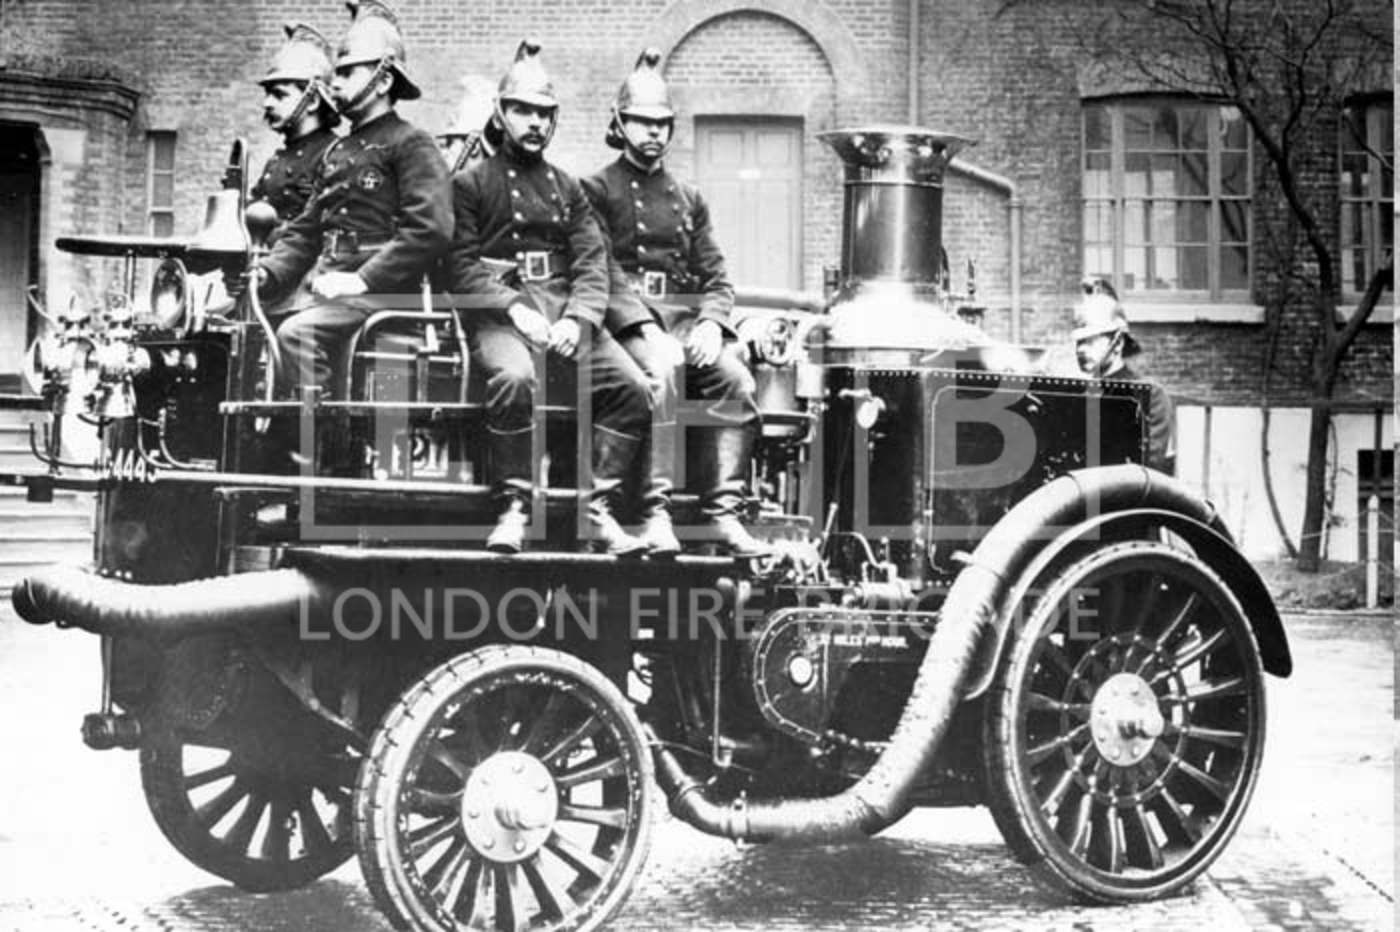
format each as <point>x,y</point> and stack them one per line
<point>976,595</point>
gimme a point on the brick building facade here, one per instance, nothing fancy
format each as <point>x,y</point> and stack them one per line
<point>100,82</point>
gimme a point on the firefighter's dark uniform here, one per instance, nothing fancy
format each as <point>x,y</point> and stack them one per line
<point>524,233</point>
<point>668,268</point>
<point>289,176</point>
<point>380,206</point>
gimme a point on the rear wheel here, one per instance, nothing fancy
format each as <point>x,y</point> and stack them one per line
<point>1127,728</point>
<point>242,780</point>
<point>508,790</point>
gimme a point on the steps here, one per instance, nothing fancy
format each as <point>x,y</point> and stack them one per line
<point>34,534</point>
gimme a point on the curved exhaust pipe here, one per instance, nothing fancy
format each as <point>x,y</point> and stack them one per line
<point>881,796</point>
<point>70,596</point>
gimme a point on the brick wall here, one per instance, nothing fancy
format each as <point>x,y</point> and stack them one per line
<point>1013,82</point>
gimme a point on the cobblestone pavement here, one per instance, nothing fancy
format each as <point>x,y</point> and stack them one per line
<point>78,850</point>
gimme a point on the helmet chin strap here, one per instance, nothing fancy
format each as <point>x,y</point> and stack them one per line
<point>1111,356</point>
<point>300,110</point>
<point>349,106</point>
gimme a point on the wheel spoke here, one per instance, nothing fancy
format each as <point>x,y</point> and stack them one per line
<point>427,802</point>
<point>1038,754</point>
<point>204,777</point>
<point>554,899</point>
<point>1188,609</point>
<point>510,900</point>
<point>215,809</point>
<point>544,722</point>
<point>605,816</point>
<point>471,902</point>
<point>1039,702</point>
<point>1220,736</point>
<point>447,868</point>
<point>1142,847</point>
<point>1179,825</point>
<point>277,842</point>
<point>313,830</point>
<point>422,840</point>
<point>1189,654</point>
<point>1215,787</point>
<point>241,834</point>
<point>439,752</point>
<point>1108,842</point>
<point>1216,689</point>
<point>591,772</point>
<point>576,856</point>
<point>566,745</point>
<point>1082,826</point>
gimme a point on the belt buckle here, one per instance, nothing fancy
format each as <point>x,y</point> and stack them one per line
<point>339,242</point>
<point>534,265</point>
<point>654,284</point>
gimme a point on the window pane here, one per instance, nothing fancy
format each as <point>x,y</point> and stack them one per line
<point>1137,128</point>
<point>1234,133</point>
<point>1134,268</point>
<point>1098,262</point>
<point>1135,222</point>
<point>1234,173</point>
<point>1097,129</point>
<point>1234,267</point>
<point>162,224</point>
<point>1097,178</point>
<point>1163,221</point>
<point>1192,222</point>
<point>1164,174</point>
<point>1164,133</point>
<point>162,191</point>
<point>1195,268</point>
<point>1193,128</point>
<point>1098,223</point>
<point>1234,221</point>
<point>163,151</point>
<point>1194,180</point>
<point>1354,165</point>
<point>1135,175</point>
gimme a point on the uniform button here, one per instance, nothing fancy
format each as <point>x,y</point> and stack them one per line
<point>342,210</point>
<point>519,255</point>
<point>670,188</point>
<point>641,249</point>
<point>510,173</point>
<point>515,236</point>
<point>635,186</point>
<point>676,208</point>
<point>549,175</point>
<point>555,218</point>
<point>641,225</point>
<point>519,215</point>
<point>514,192</point>
<point>640,205</point>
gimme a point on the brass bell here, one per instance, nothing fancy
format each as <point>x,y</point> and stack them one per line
<point>223,240</point>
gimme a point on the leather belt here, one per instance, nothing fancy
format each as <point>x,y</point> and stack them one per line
<point>537,265</point>
<point>348,242</point>
<point>654,283</point>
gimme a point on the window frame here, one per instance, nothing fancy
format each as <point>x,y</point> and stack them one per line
<point>1235,301</point>
<point>156,141</point>
<point>1378,209</point>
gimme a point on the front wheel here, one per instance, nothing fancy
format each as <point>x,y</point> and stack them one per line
<point>1125,734</point>
<point>508,790</point>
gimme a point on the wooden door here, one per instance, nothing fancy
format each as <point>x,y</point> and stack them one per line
<point>19,197</point>
<point>751,175</point>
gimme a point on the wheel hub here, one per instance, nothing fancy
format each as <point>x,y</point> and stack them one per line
<point>1125,719</point>
<point>509,806</point>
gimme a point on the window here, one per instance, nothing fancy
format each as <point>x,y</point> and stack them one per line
<point>1368,191</point>
<point>160,183</point>
<point>1167,190</point>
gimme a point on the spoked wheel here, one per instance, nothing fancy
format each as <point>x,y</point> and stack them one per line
<point>508,790</point>
<point>1126,732</point>
<point>243,782</point>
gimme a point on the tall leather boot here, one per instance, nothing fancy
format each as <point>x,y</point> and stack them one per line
<point>613,454</point>
<point>657,485</point>
<point>724,468</point>
<point>512,466</point>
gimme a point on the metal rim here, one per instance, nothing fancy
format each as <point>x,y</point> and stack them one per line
<point>1130,724</point>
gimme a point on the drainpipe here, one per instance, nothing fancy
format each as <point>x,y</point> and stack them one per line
<point>914,55</point>
<point>1002,183</point>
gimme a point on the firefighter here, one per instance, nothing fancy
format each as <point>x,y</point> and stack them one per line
<point>1102,346</point>
<point>670,309</point>
<point>297,105</point>
<point>379,214</point>
<point>529,268</point>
